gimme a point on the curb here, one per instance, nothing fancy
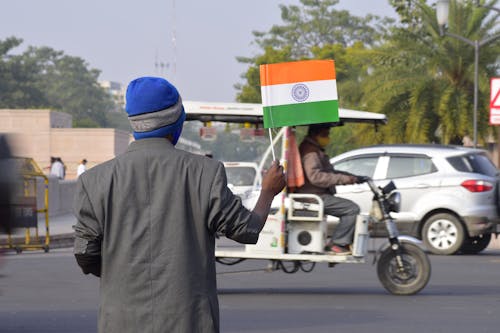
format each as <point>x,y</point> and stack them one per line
<point>56,242</point>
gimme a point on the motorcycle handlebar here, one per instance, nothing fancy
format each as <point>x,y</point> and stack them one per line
<point>369,181</point>
<point>376,190</point>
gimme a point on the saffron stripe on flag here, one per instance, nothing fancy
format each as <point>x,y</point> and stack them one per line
<point>301,114</point>
<point>297,71</point>
<point>317,91</point>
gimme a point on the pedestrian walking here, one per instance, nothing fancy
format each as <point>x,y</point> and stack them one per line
<point>82,167</point>
<point>57,167</point>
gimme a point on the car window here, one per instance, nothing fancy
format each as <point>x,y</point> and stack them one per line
<point>407,166</point>
<point>240,176</point>
<point>477,163</point>
<point>361,166</point>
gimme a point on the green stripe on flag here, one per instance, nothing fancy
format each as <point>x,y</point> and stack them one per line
<point>301,114</point>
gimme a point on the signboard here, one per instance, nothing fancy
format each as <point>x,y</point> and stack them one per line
<point>25,212</point>
<point>495,101</point>
<point>208,133</point>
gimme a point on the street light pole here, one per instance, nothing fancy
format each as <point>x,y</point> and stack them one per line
<point>476,80</point>
<point>442,8</point>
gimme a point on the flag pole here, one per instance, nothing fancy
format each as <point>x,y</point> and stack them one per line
<point>271,142</point>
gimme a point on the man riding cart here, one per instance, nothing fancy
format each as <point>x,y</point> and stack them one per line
<point>295,234</point>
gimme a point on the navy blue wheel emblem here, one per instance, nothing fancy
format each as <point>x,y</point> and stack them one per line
<point>300,92</point>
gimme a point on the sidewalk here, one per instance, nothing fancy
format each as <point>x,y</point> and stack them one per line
<point>60,230</point>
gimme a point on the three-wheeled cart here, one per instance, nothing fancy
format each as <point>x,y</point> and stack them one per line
<point>295,233</point>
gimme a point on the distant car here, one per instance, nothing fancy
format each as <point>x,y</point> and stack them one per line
<point>450,195</point>
<point>244,180</point>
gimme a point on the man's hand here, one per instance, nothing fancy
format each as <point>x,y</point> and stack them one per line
<point>361,179</point>
<point>357,179</point>
<point>272,184</point>
<point>274,180</point>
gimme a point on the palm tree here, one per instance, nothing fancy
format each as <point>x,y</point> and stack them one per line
<point>424,82</point>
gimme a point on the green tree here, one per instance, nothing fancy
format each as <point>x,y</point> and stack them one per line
<point>41,77</point>
<point>351,67</point>
<point>317,23</point>
<point>315,29</point>
<point>250,91</point>
<point>424,82</point>
<point>18,79</point>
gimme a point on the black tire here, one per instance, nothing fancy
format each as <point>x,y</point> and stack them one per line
<point>415,276</point>
<point>288,266</point>
<point>443,234</point>
<point>474,245</point>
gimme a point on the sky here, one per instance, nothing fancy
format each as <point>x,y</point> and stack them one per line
<point>124,39</point>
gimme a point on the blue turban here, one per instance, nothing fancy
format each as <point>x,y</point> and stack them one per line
<point>154,108</point>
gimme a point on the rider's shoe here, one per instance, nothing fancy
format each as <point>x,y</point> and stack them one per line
<point>337,249</point>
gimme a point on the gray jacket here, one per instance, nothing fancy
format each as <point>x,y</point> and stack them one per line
<point>150,216</point>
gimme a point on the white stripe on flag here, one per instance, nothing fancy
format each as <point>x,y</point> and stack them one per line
<point>281,94</point>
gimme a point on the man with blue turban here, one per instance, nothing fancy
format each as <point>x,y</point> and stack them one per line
<point>147,222</point>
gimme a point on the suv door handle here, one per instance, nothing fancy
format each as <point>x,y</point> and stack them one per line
<point>423,185</point>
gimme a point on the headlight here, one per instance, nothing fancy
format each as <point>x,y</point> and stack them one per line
<point>375,211</point>
<point>394,201</point>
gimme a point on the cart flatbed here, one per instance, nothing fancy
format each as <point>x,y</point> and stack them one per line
<point>312,257</point>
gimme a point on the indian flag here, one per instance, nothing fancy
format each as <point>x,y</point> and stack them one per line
<point>299,93</point>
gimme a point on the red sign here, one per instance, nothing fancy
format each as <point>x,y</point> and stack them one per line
<point>208,133</point>
<point>495,101</point>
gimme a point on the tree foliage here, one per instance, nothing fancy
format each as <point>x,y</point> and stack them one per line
<point>421,80</point>
<point>316,30</point>
<point>424,82</point>
<point>250,91</point>
<point>317,23</point>
<point>41,77</point>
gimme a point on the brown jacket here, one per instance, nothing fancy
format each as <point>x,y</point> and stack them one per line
<point>320,177</point>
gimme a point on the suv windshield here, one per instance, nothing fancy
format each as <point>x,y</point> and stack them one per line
<point>477,163</point>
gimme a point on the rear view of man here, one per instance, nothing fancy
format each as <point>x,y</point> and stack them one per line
<point>320,179</point>
<point>147,222</point>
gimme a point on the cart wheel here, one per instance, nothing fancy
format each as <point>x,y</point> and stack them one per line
<point>414,275</point>
<point>46,249</point>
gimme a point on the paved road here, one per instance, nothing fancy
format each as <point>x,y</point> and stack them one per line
<point>46,293</point>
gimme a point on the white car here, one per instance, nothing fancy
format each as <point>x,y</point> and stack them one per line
<point>244,180</point>
<point>450,195</point>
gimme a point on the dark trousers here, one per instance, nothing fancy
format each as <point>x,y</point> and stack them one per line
<point>346,211</point>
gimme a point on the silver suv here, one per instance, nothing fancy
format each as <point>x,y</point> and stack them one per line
<point>449,194</point>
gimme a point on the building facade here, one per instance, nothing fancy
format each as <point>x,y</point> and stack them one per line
<point>40,134</point>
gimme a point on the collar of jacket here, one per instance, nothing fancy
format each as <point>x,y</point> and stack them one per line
<point>313,142</point>
<point>150,143</point>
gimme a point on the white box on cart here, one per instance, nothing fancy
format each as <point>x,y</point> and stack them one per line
<point>306,236</point>
<point>271,238</point>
